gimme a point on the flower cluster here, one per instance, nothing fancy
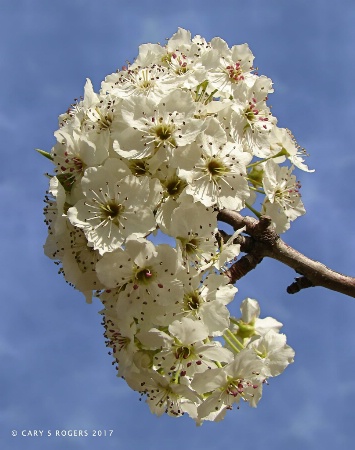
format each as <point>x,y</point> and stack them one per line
<point>170,140</point>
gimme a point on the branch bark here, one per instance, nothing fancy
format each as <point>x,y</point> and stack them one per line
<point>264,242</point>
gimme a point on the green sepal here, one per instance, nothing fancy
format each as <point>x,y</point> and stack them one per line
<point>44,153</point>
<point>256,175</point>
<point>200,90</point>
<point>282,152</point>
<point>66,180</point>
<point>245,330</point>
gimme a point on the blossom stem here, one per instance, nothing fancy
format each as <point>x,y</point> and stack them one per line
<point>237,341</point>
<point>233,341</point>
<point>258,215</point>
<point>230,343</point>
<point>256,190</point>
<point>255,181</point>
<point>256,163</point>
<point>175,378</point>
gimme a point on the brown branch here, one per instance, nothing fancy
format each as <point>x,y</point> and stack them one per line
<point>299,284</point>
<point>264,242</point>
<point>243,266</point>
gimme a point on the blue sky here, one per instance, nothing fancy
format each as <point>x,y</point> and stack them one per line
<point>56,373</point>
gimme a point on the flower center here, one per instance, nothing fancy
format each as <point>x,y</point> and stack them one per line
<point>250,114</point>
<point>144,81</point>
<point>163,131</point>
<point>238,386</point>
<point>105,122</point>
<point>110,210</point>
<point>216,168</point>
<point>182,68</point>
<point>288,192</point>
<point>191,246</point>
<point>177,62</point>
<point>182,353</point>
<point>144,276</point>
<point>235,72</point>
<point>175,186</point>
<point>77,163</point>
<point>138,167</point>
<point>192,300</point>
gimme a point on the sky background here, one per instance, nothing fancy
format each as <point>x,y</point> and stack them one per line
<point>55,371</point>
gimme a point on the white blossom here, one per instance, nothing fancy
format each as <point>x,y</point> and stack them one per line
<point>152,81</point>
<point>229,67</point>
<point>250,324</point>
<point>115,205</point>
<point>284,144</point>
<point>206,299</point>
<point>153,127</point>
<point>226,386</point>
<point>283,199</point>
<point>194,227</point>
<point>219,175</point>
<point>272,349</point>
<point>187,352</point>
<point>164,395</point>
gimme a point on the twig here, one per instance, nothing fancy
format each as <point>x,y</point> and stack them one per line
<point>264,242</point>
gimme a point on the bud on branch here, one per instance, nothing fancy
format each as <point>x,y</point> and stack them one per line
<point>264,242</point>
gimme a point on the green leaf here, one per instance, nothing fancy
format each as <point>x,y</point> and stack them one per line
<point>44,153</point>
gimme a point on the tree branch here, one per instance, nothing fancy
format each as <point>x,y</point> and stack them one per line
<point>264,242</point>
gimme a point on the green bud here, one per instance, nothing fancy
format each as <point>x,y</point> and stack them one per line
<point>256,175</point>
<point>245,330</point>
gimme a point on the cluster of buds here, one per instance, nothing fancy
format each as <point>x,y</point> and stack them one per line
<point>141,170</point>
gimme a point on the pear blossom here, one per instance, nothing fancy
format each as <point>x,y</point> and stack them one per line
<point>181,56</point>
<point>145,276</point>
<point>107,213</point>
<point>153,82</point>
<point>251,118</point>
<point>283,199</point>
<point>186,350</point>
<point>194,227</point>
<point>206,300</point>
<point>250,324</point>
<point>79,263</point>
<point>164,395</point>
<point>226,386</point>
<point>284,144</point>
<point>73,153</point>
<point>229,67</point>
<point>219,175</point>
<point>102,121</point>
<point>274,352</point>
<point>153,127</point>
<point>75,116</point>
